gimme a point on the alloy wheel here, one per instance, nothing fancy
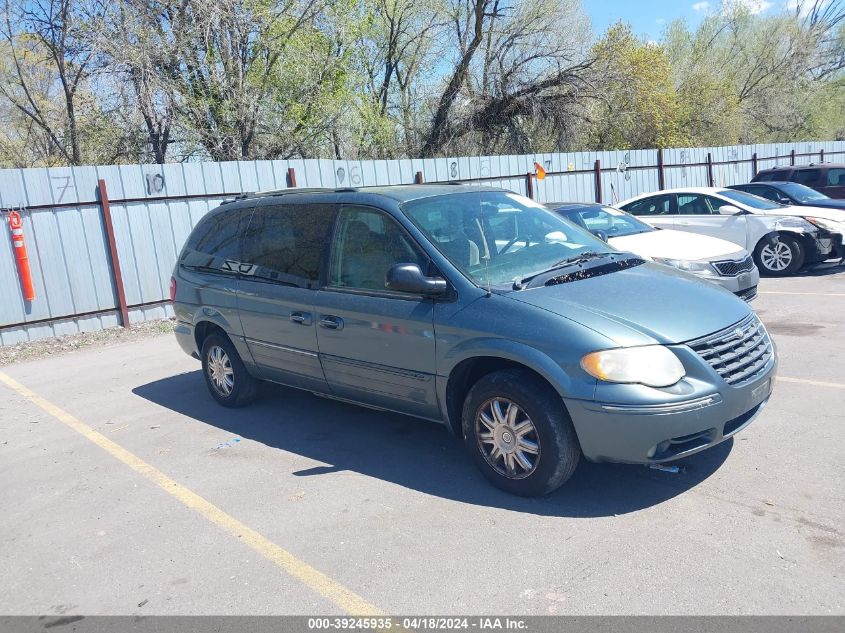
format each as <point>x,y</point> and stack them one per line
<point>776,258</point>
<point>220,371</point>
<point>507,438</point>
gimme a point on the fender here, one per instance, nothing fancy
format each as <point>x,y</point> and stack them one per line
<point>515,351</point>
<point>772,237</point>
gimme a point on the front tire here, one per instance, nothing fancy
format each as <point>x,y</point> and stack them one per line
<point>519,434</point>
<point>781,258</point>
<point>226,377</point>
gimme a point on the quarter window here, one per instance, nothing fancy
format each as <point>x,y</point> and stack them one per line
<point>284,243</point>
<point>214,244</point>
<point>367,243</point>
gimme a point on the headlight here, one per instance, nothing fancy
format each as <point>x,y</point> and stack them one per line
<point>652,365</point>
<point>703,269</point>
<point>794,223</point>
<point>827,225</point>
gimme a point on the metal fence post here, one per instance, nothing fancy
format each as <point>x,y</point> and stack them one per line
<point>117,277</point>
<point>792,157</point>
<point>291,177</point>
<point>661,177</point>
<point>821,155</point>
<point>597,170</point>
<point>709,169</point>
<point>529,185</point>
<point>418,178</point>
<point>753,164</point>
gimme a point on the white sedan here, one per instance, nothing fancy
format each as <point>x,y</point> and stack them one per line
<point>709,258</point>
<point>782,238</point>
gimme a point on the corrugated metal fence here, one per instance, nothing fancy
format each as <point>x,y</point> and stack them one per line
<point>154,207</point>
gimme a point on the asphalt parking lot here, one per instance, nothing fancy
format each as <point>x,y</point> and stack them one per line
<point>127,490</point>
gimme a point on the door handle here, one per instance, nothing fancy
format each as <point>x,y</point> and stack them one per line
<point>301,318</point>
<point>331,322</point>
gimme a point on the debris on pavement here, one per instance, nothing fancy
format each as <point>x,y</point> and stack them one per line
<point>666,468</point>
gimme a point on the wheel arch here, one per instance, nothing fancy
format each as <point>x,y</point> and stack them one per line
<point>473,364</point>
<point>203,329</point>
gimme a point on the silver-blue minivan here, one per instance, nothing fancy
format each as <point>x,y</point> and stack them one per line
<point>475,308</point>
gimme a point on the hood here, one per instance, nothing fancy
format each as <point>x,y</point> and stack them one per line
<point>650,303</point>
<point>829,204</point>
<point>677,245</point>
<point>837,215</point>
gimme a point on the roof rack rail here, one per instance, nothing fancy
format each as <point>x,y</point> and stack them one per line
<point>241,196</point>
<point>281,192</point>
<point>344,189</point>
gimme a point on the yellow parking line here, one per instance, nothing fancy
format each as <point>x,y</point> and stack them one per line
<point>817,383</point>
<point>302,571</point>
<point>812,294</point>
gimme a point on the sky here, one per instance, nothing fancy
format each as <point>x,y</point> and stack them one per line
<point>649,17</point>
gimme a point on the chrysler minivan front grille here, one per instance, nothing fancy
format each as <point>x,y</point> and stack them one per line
<point>737,353</point>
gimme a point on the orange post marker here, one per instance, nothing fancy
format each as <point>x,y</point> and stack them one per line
<point>16,224</point>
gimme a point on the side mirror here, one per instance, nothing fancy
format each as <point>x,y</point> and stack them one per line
<point>600,234</point>
<point>409,278</point>
<point>729,209</point>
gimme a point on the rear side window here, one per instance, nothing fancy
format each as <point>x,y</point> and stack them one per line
<point>655,205</point>
<point>807,177</point>
<point>836,177</point>
<point>284,243</point>
<point>214,244</point>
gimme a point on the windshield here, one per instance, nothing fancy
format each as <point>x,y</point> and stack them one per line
<point>750,200</point>
<point>612,222</point>
<point>495,237</point>
<point>802,193</point>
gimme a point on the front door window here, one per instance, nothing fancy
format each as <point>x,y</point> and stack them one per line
<point>367,243</point>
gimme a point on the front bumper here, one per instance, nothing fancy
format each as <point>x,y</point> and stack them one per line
<point>744,285</point>
<point>740,278</point>
<point>697,413</point>
<point>824,246</point>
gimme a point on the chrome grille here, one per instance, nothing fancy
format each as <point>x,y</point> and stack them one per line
<point>732,269</point>
<point>737,353</point>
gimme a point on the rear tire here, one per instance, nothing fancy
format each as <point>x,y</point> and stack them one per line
<point>226,377</point>
<point>519,434</point>
<point>780,259</point>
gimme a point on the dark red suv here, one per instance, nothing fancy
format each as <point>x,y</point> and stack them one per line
<point>828,178</point>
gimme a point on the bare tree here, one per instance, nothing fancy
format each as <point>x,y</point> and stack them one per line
<point>516,60</point>
<point>45,36</point>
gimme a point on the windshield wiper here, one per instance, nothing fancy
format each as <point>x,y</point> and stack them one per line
<point>575,260</point>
